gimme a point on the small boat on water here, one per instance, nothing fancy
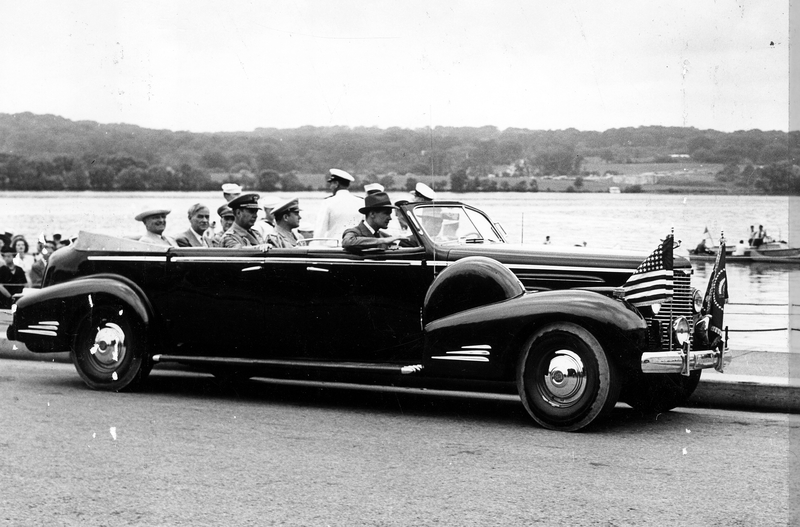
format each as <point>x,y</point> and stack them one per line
<point>777,251</point>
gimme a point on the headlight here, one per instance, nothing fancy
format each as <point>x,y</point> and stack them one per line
<point>680,330</point>
<point>697,301</point>
<point>655,308</point>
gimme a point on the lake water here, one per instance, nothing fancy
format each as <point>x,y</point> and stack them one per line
<point>759,293</point>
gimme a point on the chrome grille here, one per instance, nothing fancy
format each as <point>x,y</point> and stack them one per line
<point>679,306</point>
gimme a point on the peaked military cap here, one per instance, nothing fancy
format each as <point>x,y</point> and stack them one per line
<point>245,201</point>
<point>341,174</point>
<point>287,205</point>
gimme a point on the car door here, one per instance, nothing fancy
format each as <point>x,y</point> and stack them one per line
<point>366,306</point>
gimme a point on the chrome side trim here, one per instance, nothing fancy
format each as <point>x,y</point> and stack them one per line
<point>49,322</point>
<point>38,332</point>
<point>477,347</point>
<point>44,326</point>
<point>286,363</point>
<point>299,261</point>
<point>462,358</point>
<point>467,352</point>
<point>127,258</point>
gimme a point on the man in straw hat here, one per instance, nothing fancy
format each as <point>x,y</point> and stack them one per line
<point>241,235</point>
<point>340,210</point>
<point>155,221</point>
<point>377,211</point>
<point>287,218</point>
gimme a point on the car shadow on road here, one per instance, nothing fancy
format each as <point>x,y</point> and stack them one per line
<point>482,408</point>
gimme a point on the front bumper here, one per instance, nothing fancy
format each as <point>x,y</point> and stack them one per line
<point>684,361</point>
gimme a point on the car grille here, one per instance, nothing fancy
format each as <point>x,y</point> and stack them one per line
<point>679,306</point>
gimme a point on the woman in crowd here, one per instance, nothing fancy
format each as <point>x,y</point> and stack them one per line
<point>22,258</point>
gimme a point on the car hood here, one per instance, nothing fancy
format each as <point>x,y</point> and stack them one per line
<point>557,256</point>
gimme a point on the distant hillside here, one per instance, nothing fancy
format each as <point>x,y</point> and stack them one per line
<point>46,151</point>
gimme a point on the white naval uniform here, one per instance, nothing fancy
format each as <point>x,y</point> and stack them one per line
<point>339,212</point>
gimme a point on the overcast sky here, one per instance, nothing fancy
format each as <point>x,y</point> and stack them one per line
<point>237,65</point>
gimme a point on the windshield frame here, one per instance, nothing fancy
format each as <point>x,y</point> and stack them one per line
<point>478,223</point>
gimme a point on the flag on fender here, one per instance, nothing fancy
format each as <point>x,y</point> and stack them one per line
<point>651,283</point>
<point>716,296</point>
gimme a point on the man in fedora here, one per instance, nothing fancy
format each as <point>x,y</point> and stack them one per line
<point>287,218</point>
<point>340,210</point>
<point>377,211</point>
<point>199,216</point>
<point>241,235</point>
<point>155,221</point>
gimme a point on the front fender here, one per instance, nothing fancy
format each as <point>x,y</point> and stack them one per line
<point>484,342</point>
<point>46,319</point>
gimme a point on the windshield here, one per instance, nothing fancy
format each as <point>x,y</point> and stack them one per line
<point>456,224</point>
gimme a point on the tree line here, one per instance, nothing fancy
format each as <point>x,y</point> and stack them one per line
<point>45,152</point>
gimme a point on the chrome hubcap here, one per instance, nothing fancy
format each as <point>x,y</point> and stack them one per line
<point>109,344</point>
<point>565,380</point>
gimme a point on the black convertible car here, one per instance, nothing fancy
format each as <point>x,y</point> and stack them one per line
<point>462,308</point>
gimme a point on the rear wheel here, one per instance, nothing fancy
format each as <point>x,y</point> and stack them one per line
<point>564,378</point>
<point>661,392</point>
<point>110,350</point>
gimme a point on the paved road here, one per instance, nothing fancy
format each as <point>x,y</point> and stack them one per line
<point>189,452</point>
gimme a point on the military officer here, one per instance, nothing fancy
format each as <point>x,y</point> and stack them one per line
<point>155,221</point>
<point>226,221</point>
<point>373,188</point>
<point>340,210</point>
<point>241,234</point>
<point>287,218</point>
<point>230,191</point>
<point>423,192</point>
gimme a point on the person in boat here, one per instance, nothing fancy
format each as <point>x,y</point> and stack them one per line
<point>752,235</point>
<point>740,249</point>
<point>759,237</point>
<point>701,248</point>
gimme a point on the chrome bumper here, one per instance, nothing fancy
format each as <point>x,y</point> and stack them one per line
<point>684,361</point>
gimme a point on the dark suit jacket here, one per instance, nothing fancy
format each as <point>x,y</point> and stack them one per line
<point>360,236</point>
<point>187,239</point>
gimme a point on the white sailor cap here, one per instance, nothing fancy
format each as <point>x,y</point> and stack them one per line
<point>424,191</point>
<point>231,188</point>
<point>341,174</point>
<point>373,187</point>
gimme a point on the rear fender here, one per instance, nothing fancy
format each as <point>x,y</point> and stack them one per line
<point>46,319</point>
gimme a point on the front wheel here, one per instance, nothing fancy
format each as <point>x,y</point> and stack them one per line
<point>564,378</point>
<point>110,350</point>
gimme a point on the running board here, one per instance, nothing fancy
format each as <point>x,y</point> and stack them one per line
<point>303,364</point>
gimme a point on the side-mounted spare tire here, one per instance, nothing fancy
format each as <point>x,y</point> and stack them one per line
<point>470,282</point>
<point>110,350</point>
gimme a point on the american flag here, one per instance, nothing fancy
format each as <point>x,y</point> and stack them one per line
<point>651,283</point>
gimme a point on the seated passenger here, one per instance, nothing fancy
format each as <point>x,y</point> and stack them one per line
<point>287,218</point>
<point>226,220</point>
<point>241,235</point>
<point>377,211</point>
<point>155,221</point>
<point>741,249</point>
<point>198,224</point>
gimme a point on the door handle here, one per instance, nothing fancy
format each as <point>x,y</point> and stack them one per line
<point>317,269</point>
